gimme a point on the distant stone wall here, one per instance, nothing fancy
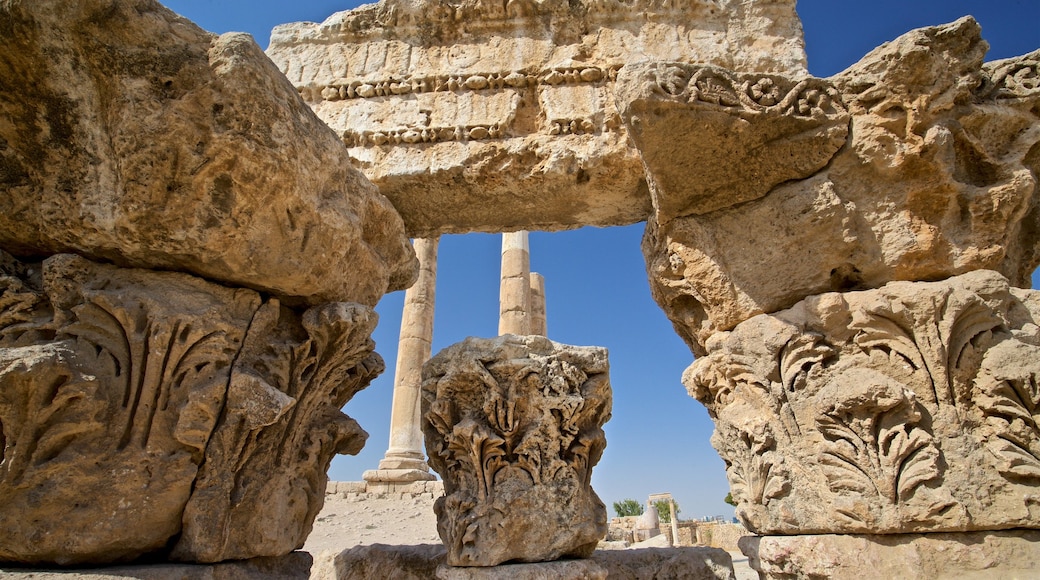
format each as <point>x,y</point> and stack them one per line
<point>718,535</point>
<point>355,490</point>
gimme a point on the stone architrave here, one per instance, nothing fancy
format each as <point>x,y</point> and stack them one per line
<point>155,413</point>
<point>514,427</point>
<point>514,301</point>
<point>539,325</point>
<point>937,177</point>
<point>910,408</point>
<point>132,136</point>
<point>492,116</point>
<point>404,460</point>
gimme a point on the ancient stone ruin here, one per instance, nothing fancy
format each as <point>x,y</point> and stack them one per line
<point>514,427</point>
<point>192,245</point>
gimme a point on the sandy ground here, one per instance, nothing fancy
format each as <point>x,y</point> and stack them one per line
<point>344,524</point>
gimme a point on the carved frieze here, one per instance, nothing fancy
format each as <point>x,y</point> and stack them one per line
<point>446,105</point>
<point>912,407</point>
<point>142,411</point>
<point>514,427</point>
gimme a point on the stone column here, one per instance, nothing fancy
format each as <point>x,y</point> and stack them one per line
<point>538,321</point>
<point>514,314</point>
<point>404,460</point>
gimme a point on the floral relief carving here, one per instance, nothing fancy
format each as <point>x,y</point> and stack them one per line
<point>882,404</point>
<point>514,426</point>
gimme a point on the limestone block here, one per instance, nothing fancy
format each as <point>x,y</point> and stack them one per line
<point>1009,555</point>
<point>713,139</point>
<point>671,563</point>
<point>514,426</point>
<point>559,570</point>
<point>380,561</point>
<point>294,566</point>
<point>486,116</point>
<point>938,178</point>
<point>132,136</point>
<point>141,408</point>
<point>909,408</point>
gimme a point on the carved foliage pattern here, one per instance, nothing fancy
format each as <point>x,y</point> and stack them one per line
<point>868,404</point>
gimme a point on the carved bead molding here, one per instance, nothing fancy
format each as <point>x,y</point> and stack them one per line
<point>913,407</point>
<point>142,412</point>
<point>514,427</point>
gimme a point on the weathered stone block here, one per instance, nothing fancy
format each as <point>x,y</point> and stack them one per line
<point>938,177</point>
<point>1007,555</point>
<point>184,410</point>
<point>684,563</point>
<point>132,136</point>
<point>513,425</point>
<point>913,407</point>
<point>488,116</point>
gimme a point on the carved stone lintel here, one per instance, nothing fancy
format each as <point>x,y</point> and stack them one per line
<point>513,425</point>
<point>913,407</point>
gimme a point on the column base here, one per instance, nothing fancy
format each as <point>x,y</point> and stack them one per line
<point>397,475</point>
<point>965,555</point>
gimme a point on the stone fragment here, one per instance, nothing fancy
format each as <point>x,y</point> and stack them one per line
<point>938,178</point>
<point>910,408</point>
<point>380,561</point>
<point>500,116</point>
<point>666,563</point>
<point>294,566</point>
<point>559,570</point>
<point>713,139</point>
<point>513,426</point>
<point>147,410</point>
<point>132,136</point>
<point>1004,555</point>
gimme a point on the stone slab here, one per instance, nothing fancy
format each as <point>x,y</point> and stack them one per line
<point>295,566</point>
<point>1004,555</point>
<point>560,570</point>
<point>673,563</point>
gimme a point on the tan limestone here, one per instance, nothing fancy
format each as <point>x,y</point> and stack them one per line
<point>539,324</point>
<point>144,411</point>
<point>514,427</point>
<point>514,302</point>
<point>404,460</point>
<point>477,115</point>
<point>910,408</point>
<point>938,178</point>
<point>1007,555</point>
<point>130,135</point>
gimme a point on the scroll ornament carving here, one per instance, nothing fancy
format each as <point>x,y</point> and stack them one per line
<point>907,408</point>
<point>151,392</point>
<point>513,425</point>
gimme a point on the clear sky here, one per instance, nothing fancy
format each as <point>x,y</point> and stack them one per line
<point>597,293</point>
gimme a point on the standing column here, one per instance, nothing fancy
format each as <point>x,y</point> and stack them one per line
<point>404,460</point>
<point>515,293</point>
<point>538,323</point>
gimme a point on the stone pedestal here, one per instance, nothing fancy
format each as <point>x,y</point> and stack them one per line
<point>404,460</point>
<point>514,427</point>
<point>1004,555</point>
<point>514,314</point>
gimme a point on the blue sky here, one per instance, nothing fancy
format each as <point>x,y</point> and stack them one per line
<point>597,294</point>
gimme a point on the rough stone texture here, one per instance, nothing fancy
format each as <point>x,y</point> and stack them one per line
<point>130,135</point>
<point>294,566</point>
<point>1008,555</point>
<point>560,570</point>
<point>513,426</point>
<point>381,561</point>
<point>910,408</point>
<point>666,563</point>
<point>938,177</point>
<point>141,411</point>
<point>712,139</point>
<point>494,116</point>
